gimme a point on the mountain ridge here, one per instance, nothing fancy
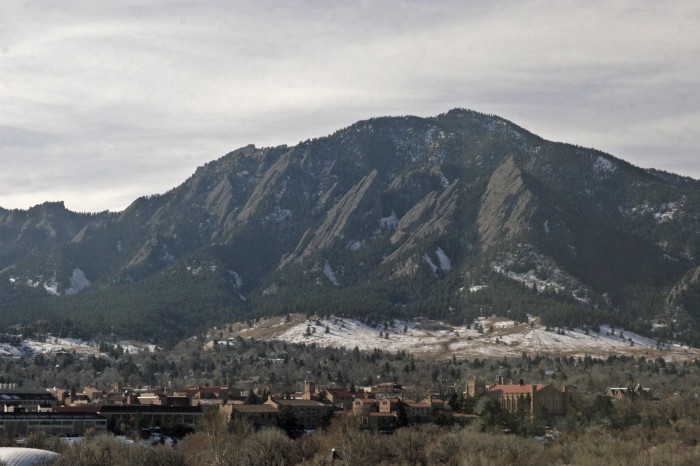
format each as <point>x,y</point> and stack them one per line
<point>389,217</point>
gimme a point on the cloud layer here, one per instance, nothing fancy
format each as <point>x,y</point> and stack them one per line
<point>101,101</point>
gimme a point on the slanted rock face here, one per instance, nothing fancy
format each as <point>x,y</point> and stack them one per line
<point>362,199</point>
<point>683,301</point>
<point>433,214</point>
<point>218,201</point>
<point>506,207</point>
<point>265,187</point>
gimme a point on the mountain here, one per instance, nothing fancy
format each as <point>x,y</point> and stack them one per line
<point>452,217</point>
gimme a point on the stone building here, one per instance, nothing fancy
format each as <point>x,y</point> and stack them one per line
<point>534,398</point>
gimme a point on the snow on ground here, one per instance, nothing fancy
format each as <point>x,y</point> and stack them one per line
<point>57,344</point>
<point>78,282</point>
<point>445,262</point>
<point>51,344</point>
<point>530,279</point>
<point>495,337</point>
<point>475,288</point>
<point>51,287</point>
<point>430,263</point>
<point>349,333</point>
<point>329,273</point>
<point>389,223</point>
<point>603,166</point>
<point>666,212</point>
<point>237,278</point>
<point>354,245</point>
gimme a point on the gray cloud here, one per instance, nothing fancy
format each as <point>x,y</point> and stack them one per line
<point>104,101</point>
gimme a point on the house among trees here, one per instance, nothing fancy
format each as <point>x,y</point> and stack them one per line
<point>533,398</point>
<point>620,393</point>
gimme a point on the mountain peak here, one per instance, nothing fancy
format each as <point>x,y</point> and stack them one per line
<point>393,216</point>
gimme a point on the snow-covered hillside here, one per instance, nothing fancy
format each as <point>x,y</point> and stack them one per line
<point>51,344</point>
<point>488,337</point>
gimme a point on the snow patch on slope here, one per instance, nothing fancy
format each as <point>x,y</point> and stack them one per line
<point>445,262</point>
<point>389,223</point>
<point>78,282</point>
<point>603,166</point>
<point>51,344</point>
<point>329,273</point>
<point>666,212</point>
<point>430,263</point>
<point>354,245</point>
<point>543,274</point>
<point>475,288</point>
<point>237,278</point>
<point>52,287</point>
<point>278,215</point>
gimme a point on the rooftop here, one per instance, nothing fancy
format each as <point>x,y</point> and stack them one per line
<point>308,403</point>
<point>255,409</point>
<point>516,388</point>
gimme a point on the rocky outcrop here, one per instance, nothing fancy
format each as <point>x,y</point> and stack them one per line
<point>264,187</point>
<point>50,222</point>
<point>219,201</point>
<point>682,304</point>
<point>322,203</point>
<point>506,207</point>
<point>361,200</point>
<point>432,215</point>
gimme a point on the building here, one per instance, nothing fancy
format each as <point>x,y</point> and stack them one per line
<point>27,398</point>
<point>24,456</point>
<point>387,388</point>
<point>258,415</point>
<point>144,415</point>
<point>151,398</point>
<point>620,393</point>
<point>475,387</point>
<point>206,393</point>
<point>340,398</point>
<point>93,394</point>
<point>364,406</point>
<point>416,412</point>
<point>54,423</point>
<point>388,405</point>
<point>311,391</point>
<point>533,398</point>
<point>310,414</point>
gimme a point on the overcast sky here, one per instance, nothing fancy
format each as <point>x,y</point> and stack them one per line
<point>105,101</point>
